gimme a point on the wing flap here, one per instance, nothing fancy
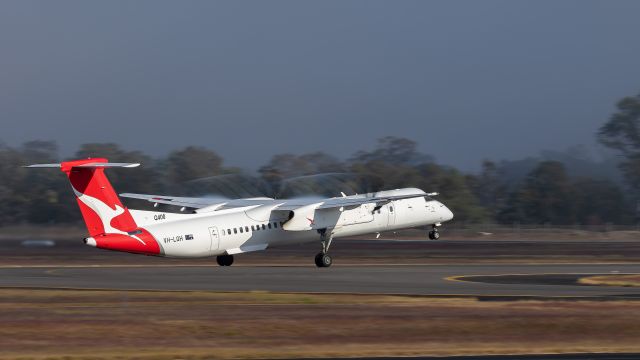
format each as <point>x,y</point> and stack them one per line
<point>191,202</point>
<point>247,248</point>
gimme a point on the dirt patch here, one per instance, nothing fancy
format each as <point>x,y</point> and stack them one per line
<point>612,280</point>
<point>70,324</point>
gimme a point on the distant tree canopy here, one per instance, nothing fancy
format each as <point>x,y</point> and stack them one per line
<point>530,191</point>
<point>549,196</point>
<point>622,133</point>
<point>393,150</point>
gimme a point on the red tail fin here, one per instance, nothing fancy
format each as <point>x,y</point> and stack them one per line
<point>110,224</point>
<point>100,206</point>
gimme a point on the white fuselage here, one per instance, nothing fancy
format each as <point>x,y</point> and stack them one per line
<point>239,230</point>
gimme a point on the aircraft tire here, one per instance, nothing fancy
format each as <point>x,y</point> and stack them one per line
<point>318,260</point>
<point>326,260</point>
<point>225,260</point>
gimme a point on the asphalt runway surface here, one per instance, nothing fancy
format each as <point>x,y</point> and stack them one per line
<point>368,279</point>
<point>73,251</point>
<point>415,267</point>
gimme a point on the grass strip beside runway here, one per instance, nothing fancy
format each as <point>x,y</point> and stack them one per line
<point>79,324</point>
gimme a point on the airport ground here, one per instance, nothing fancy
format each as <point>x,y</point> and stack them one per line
<point>395,297</point>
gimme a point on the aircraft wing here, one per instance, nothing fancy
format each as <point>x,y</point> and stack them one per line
<point>301,208</point>
<point>191,202</point>
<point>352,201</point>
<point>200,204</point>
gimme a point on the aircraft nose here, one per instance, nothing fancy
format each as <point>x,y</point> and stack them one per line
<point>446,214</point>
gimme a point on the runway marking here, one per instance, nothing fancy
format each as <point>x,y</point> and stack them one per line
<point>460,277</point>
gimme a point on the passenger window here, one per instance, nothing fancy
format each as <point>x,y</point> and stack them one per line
<point>275,225</point>
<point>269,225</point>
<point>235,230</point>
<point>240,229</point>
<point>390,208</point>
<point>263,227</point>
<point>246,228</point>
<point>252,228</point>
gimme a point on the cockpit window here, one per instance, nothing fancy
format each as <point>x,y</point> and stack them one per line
<point>135,232</point>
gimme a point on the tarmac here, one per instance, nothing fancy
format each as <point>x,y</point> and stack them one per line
<point>481,280</point>
<point>411,268</point>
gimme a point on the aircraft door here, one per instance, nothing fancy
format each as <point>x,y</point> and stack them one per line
<point>215,238</point>
<point>391,209</point>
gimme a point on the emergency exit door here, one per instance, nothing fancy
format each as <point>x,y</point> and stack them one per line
<point>215,238</point>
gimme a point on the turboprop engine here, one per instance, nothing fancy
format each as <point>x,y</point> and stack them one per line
<point>314,217</point>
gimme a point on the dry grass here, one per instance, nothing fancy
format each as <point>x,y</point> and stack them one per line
<point>70,324</point>
<point>612,280</point>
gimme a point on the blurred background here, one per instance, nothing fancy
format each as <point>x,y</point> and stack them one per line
<point>516,112</point>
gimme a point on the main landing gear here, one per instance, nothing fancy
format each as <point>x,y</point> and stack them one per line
<point>224,260</point>
<point>434,234</point>
<point>323,259</point>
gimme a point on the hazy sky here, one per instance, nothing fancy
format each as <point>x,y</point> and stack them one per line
<point>466,79</point>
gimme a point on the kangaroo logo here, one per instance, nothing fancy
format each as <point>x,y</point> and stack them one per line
<point>104,212</point>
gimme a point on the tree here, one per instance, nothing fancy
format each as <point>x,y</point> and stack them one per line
<point>144,179</point>
<point>191,163</point>
<point>307,174</point>
<point>13,203</point>
<point>600,202</point>
<point>284,166</point>
<point>545,197</point>
<point>489,188</point>
<point>393,150</point>
<point>622,133</point>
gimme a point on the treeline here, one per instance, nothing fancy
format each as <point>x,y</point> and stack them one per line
<point>556,189</point>
<point>545,194</point>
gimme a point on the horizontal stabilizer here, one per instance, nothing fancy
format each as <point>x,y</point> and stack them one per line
<point>88,165</point>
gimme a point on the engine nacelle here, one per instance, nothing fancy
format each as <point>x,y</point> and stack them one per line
<point>310,217</point>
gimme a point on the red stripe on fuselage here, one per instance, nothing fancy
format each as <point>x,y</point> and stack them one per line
<point>129,243</point>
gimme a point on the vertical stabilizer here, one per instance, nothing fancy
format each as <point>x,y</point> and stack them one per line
<point>101,208</point>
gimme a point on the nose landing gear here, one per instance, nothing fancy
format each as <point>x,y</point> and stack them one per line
<point>434,234</point>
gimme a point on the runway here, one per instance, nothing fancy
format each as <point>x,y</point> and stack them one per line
<point>367,279</point>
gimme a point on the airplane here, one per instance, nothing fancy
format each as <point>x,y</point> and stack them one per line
<point>224,228</point>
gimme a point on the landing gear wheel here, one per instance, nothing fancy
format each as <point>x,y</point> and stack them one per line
<point>225,260</point>
<point>318,259</point>
<point>434,235</point>
<point>323,260</point>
